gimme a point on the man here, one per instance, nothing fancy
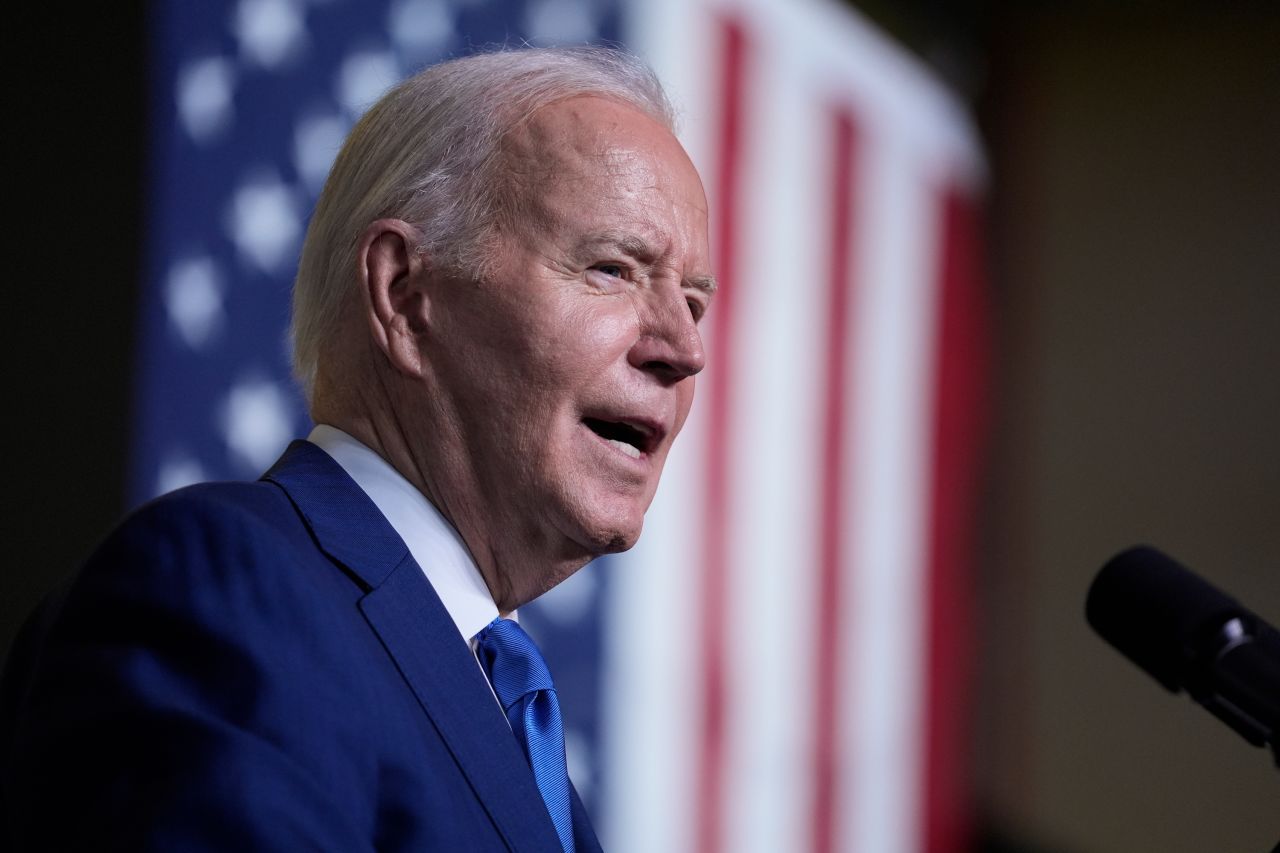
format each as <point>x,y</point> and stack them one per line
<point>495,320</point>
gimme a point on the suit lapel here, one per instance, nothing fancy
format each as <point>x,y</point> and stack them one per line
<point>451,688</point>
<point>418,633</point>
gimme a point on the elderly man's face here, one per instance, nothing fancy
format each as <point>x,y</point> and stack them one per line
<point>570,367</point>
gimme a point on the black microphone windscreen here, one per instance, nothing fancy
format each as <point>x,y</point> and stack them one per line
<point>1158,614</point>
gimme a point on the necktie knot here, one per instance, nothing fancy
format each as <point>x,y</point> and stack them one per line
<point>522,683</point>
<point>512,661</point>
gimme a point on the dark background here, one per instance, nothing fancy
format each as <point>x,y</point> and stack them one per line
<point>1134,227</point>
<point>76,135</point>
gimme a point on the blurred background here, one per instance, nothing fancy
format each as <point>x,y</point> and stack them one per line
<point>1131,196</point>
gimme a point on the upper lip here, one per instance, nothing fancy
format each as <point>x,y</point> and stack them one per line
<point>643,432</point>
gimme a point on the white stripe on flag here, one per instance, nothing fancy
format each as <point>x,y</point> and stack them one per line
<point>894,325</point>
<point>772,571</point>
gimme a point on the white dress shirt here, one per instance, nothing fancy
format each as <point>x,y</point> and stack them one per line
<point>433,542</point>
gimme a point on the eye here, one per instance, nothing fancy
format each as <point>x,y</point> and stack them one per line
<point>696,309</point>
<point>610,276</point>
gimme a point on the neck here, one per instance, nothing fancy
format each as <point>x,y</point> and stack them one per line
<point>517,563</point>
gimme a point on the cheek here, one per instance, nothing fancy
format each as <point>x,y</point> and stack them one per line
<point>592,338</point>
<point>684,402</point>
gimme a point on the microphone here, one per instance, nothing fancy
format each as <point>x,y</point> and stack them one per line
<point>1190,636</point>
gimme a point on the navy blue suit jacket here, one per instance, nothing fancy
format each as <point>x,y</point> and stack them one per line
<point>260,666</point>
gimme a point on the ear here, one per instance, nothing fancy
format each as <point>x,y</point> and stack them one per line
<point>393,277</point>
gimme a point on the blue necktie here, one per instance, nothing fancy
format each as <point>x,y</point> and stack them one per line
<point>523,685</point>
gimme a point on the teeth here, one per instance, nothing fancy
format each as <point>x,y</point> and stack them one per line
<point>633,452</point>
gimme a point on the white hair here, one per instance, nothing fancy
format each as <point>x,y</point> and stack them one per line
<point>429,153</point>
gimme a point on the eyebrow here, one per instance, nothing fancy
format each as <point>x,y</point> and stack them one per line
<point>705,283</point>
<point>637,247</point>
<point>628,244</point>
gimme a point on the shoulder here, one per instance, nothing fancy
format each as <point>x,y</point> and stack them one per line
<point>184,660</point>
<point>214,551</point>
<point>218,582</point>
<point>205,520</point>
<point>244,506</point>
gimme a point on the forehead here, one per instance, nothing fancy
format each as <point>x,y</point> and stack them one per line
<point>596,152</point>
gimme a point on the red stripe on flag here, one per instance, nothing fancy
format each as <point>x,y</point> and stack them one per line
<point>832,496</point>
<point>726,189</point>
<point>958,428</point>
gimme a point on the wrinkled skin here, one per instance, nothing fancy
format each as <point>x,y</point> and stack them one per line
<point>495,394</point>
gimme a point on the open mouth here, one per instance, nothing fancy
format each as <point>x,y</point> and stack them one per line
<point>633,440</point>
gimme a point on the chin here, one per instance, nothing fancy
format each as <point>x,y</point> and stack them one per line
<point>609,540</point>
<point>598,518</point>
<point>620,543</point>
<point>610,533</point>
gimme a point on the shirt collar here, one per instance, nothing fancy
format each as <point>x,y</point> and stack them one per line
<point>431,539</point>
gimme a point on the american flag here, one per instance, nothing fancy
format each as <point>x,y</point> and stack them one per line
<point>781,664</point>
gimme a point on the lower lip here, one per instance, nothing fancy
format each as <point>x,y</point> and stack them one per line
<point>617,452</point>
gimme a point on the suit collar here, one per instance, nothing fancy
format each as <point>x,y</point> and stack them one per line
<point>416,630</point>
<point>431,539</point>
<point>347,525</point>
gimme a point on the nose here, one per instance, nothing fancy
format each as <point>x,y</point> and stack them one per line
<point>669,345</point>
